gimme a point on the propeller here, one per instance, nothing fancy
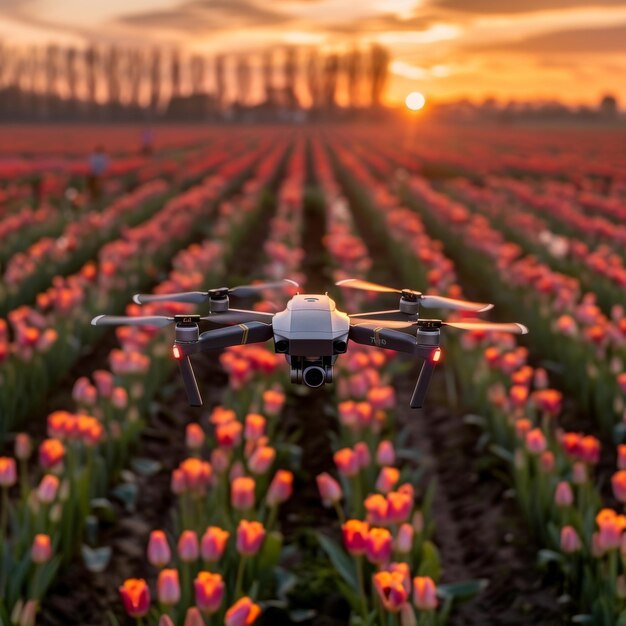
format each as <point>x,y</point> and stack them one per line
<point>198,297</point>
<point>123,320</point>
<point>427,301</point>
<point>510,327</point>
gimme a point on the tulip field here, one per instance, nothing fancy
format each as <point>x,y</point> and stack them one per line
<point>501,502</point>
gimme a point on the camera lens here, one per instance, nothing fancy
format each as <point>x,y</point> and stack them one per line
<point>282,345</point>
<point>313,376</point>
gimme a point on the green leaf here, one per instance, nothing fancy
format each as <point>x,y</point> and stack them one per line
<point>501,453</point>
<point>270,552</point>
<point>465,590</point>
<point>96,559</point>
<point>342,562</point>
<point>127,493</point>
<point>475,420</point>
<point>103,509</point>
<point>430,563</point>
<point>545,557</point>
<point>302,615</point>
<point>145,467</point>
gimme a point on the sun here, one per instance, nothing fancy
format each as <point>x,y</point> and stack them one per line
<point>415,101</point>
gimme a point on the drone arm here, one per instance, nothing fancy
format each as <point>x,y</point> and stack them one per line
<point>394,315</point>
<point>423,380</point>
<point>240,334</point>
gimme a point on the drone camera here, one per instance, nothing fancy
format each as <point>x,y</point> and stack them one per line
<point>314,376</point>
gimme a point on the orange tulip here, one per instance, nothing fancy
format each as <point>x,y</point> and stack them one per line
<point>355,535</point>
<point>261,460</point>
<point>194,436</point>
<point>209,589</point>
<point>424,593</point>
<point>48,489</point>
<point>8,472</point>
<point>390,589</point>
<point>250,536</point>
<point>387,479</point>
<point>135,596</point>
<point>378,545</point>
<point>41,550</point>
<point>273,401</point>
<point>535,441</point>
<point>213,543</point>
<point>242,494</point>
<point>51,453</point>
<point>254,427</point>
<point>399,505</point>
<point>168,587</point>
<point>618,482</point>
<point>159,552</point>
<point>346,462</point>
<point>243,613</point>
<point>280,488</point>
<point>228,434</point>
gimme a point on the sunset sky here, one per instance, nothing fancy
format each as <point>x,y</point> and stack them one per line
<point>529,49</point>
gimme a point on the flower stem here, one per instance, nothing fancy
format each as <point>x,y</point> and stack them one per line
<point>359,574</point>
<point>240,572</point>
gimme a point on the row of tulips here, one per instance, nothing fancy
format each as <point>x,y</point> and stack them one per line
<point>87,447</point>
<point>553,471</point>
<point>47,338</point>
<point>389,566</point>
<point>566,326</point>
<point>230,487</point>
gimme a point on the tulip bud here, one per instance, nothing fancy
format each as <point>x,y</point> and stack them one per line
<point>330,490</point>
<point>8,472</point>
<point>193,617</point>
<point>220,460</point>
<point>579,473</point>
<point>188,549</point>
<point>363,456</point>
<point>41,550</point>
<point>159,553</point>
<point>242,495</point>
<point>618,482</point>
<point>194,436</point>
<point>135,596</point>
<point>378,546</point>
<point>535,441</point>
<point>119,398</point>
<point>261,460</point>
<point>168,587</point>
<point>563,496</point>
<point>165,620</point>
<point>621,456</point>
<point>407,616</point>
<point>23,446</point>
<point>355,535</point>
<point>178,484</point>
<point>273,401</point>
<point>250,536</point>
<point>209,589</point>
<point>387,479</point>
<point>254,427</point>
<point>51,453</point>
<point>48,489</point>
<point>213,543</point>
<point>424,593</point>
<point>346,462</point>
<point>385,453</point>
<point>28,614</point>
<point>570,542</point>
<point>391,590</point>
<point>547,461</point>
<point>243,613</point>
<point>404,539</point>
<point>280,488</point>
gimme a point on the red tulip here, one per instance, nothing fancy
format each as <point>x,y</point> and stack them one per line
<point>135,596</point>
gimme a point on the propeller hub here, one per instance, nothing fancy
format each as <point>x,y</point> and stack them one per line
<point>218,294</point>
<point>410,295</point>
<point>186,320</point>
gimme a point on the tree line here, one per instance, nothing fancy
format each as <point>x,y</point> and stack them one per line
<point>113,81</point>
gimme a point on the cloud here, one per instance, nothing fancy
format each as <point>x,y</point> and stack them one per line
<point>513,6</point>
<point>575,41</point>
<point>199,16</point>
<point>383,23</point>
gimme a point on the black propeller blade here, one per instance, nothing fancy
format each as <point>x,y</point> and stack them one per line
<point>198,297</point>
<point>122,320</point>
<point>425,300</point>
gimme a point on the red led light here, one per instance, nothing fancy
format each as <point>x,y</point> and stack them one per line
<point>177,353</point>
<point>436,356</point>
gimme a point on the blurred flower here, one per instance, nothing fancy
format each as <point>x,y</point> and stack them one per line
<point>194,436</point>
<point>570,542</point>
<point>51,453</point>
<point>273,401</point>
<point>159,552</point>
<point>261,460</point>
<point>41,550</point>
<point>390,589</point>
<point>535,441</point>
<point>355,535</point>
<point>209,591</point>
<point>387,479</point>
<point>47,489</point>
<point>135,596</point>
<point>362,453</point>
<point>254,427</point>
<point>23,446</point>
<point>250,536</point>
<point>404,539</point>
<point>563,495</point>
<point>385,453</point>
<point>424,593</point>
<point>280,488</point>
<point>213,543</point>
<point>242,494</point>
<point>188,549</point>
<point>346,462</point>
<point>330,490</point>
<point>243,613</point>
<point>8,472</point>
<point>378,544</point>
<point>618,482</point>
<point>168,587</point>
<point>193,617</point>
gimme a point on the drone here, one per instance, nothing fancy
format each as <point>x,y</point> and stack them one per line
<point>311,332</point>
